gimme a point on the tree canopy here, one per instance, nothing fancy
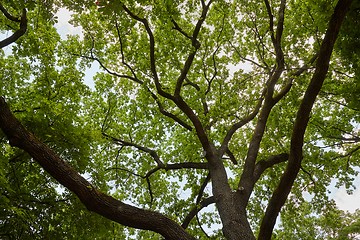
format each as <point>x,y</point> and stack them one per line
<point>220,119</point>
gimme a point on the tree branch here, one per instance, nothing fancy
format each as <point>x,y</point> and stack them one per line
<point>289,83</point>
<point>179,29</point>
<point>297,139</point>
<point>247,181</point>
<point>166,167</point>
<point>122,52</point>
<point>92,57</point>
<point>236,126</point>
<point>196,44</point>
<point>262,165</point>
<point>203,204</point>
<point>169,114</point>
<point>151,51</point>
<point>91,197</point>
<point>17,34</point>
<point>8,15</point>
<point>152,153</point>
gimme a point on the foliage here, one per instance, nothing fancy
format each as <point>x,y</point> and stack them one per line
<point>132,132</point>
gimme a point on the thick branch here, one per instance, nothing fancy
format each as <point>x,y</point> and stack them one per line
<point>92,198</point>
<point>17,34</point>
<point>286,182</point>
<point>247,180</point>
<point>184,165</point>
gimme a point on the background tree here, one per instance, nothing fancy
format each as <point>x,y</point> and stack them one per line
<point>234,104</point>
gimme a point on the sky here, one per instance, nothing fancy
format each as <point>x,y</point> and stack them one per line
<point>343,200</point>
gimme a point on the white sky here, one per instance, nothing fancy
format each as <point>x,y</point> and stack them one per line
<point>343,200</point>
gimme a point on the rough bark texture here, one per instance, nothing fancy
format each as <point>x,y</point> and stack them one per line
<point>294,163</point>
<point>92,198</point>
<point>233,216</point>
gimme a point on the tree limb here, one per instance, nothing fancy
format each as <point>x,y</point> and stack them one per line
<point>8,15</point>
<point>203,204</point>
<point>247,181</point>
<point>289,83</point>
<point>262,165</point>
<point>17,34</point>
<point>236,126</point>
<point>91,197</point>
<point>196,44</point>
<point>302,118</point>
<point>151,52</point>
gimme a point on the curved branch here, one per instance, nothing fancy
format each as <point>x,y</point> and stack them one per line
<point>262,165</point>
<point>17,34</point>
<point>122,52</point>
<point>236,126</point>
<point>91,197</point>
<point>169,114</point>
<point>202,188</point>
<point>179,29</point>
<point>203,204</point>
<point>167,167</point>
<point>309,175</point>
<point>247,180</point>
<point>199,205</point>
<point>245,58</point>
<point>177,100</point>
<point>8,15</point>
<point>92,57</point>
<point>300,71</point>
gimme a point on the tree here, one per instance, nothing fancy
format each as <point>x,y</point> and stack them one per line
<point>224,103</point>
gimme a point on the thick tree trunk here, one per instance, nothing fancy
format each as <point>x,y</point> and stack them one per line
<point>92,198</point>
<point>233,216</point>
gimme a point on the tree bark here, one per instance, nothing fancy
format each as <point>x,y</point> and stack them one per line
<point>297,140</point>
<point>92,198</point>
<point>233,215</point>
